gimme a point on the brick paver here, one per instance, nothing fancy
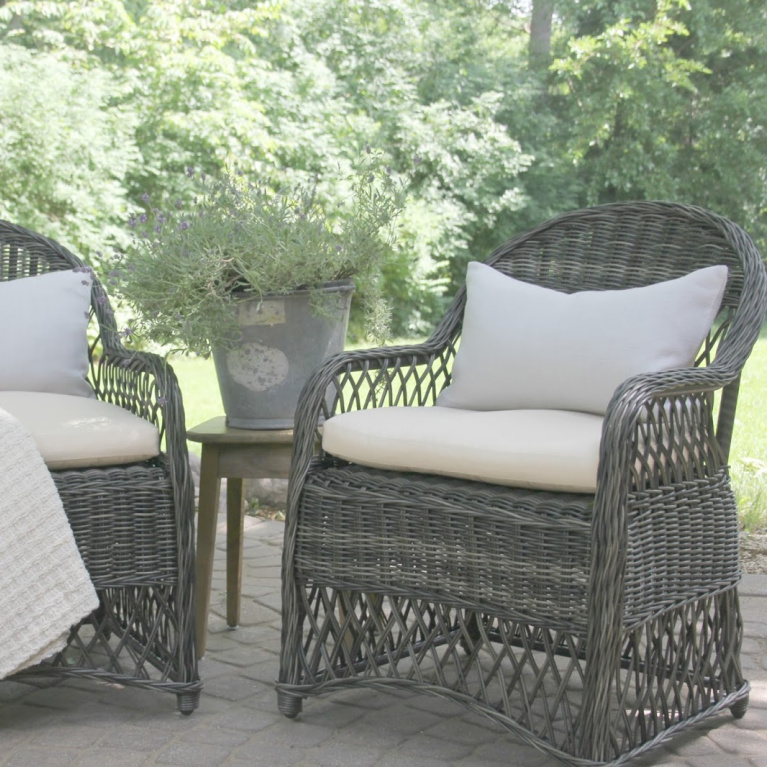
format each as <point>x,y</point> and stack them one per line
<point>79,723</point>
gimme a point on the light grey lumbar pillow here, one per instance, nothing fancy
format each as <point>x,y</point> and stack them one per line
<point>44,333</point>
<point>526,346</point>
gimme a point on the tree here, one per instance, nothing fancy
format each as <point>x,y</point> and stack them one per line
<point>667,100</point>
<point>66,151</point>
<point>295,91</point>
<point>540,33</point>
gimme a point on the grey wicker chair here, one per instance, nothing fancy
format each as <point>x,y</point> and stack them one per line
<point>450,587</point>
<point>133,523</point>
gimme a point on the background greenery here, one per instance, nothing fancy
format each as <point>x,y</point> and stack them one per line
<point>504,111</point>
<point>507,111</point>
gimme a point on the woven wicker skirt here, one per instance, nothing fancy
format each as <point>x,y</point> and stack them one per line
<point>478,594</point>
<point>125,524</point>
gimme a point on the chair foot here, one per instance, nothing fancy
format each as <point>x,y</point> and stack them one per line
<point>738,710</point>
<point>187,702</point>
<point>289,705</point>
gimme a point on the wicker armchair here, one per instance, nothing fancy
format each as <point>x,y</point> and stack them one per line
<point>592,626</point>
<point>133,523</point>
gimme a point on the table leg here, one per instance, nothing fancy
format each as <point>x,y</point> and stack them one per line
<point>235,518</point>
<point>207,517</point>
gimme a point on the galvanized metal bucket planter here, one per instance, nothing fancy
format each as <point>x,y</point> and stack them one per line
<point>284,338</point>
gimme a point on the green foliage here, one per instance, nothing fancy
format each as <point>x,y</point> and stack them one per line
<point>469,164</point>
<point>295,90</point>
<point>187,268</point>
<point>645,99</point>
<point>668,100</point>
<point>65,149</point>
<point>416,97</point>
<point>627,81</point>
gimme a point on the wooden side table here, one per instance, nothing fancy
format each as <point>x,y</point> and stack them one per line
<point>235,454</point>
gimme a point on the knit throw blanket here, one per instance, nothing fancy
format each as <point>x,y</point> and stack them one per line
<point>44,586</point>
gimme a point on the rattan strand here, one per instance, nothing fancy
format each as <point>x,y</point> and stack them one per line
<point>134,524</point>
<point>593,627</point>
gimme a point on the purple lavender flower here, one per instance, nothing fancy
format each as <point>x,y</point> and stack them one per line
<point>183,225</point>
<point>143,218</point>
<point>145,197</point>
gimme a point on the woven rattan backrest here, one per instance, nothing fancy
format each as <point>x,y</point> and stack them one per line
<point>627,245</point>
<point>633,244</point>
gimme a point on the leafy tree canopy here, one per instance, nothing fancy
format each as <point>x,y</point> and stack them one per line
<point>106,101</point>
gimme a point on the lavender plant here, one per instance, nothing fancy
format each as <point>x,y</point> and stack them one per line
<point>241,239</point>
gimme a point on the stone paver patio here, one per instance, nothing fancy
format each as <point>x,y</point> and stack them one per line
<point>88,724</point>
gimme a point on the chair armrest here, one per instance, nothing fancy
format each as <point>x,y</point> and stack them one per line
<point>369,378</point>
<point>673,408</point>
<point>648,405</point>
<point>146,385</point>
<point>377,377</point>
<point>658,437</point>
<point>661,494</point>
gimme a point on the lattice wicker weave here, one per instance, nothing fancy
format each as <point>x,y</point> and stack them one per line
<point>134,524</point>
<point>592,626</point>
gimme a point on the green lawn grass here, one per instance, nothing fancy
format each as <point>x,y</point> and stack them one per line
<point>748,456</point>
<point>749,449</point>
<point>199,388</point>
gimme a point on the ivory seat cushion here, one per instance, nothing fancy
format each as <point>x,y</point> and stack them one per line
<point>77,432</point>
<point>543,449</point>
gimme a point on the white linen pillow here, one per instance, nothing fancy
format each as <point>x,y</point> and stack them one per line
<point>526,346</point>
<point>43,333</point>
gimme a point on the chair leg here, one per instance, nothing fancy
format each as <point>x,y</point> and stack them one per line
<point>738,710</point>
<point>187,702</point>
<point>289,705</point>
